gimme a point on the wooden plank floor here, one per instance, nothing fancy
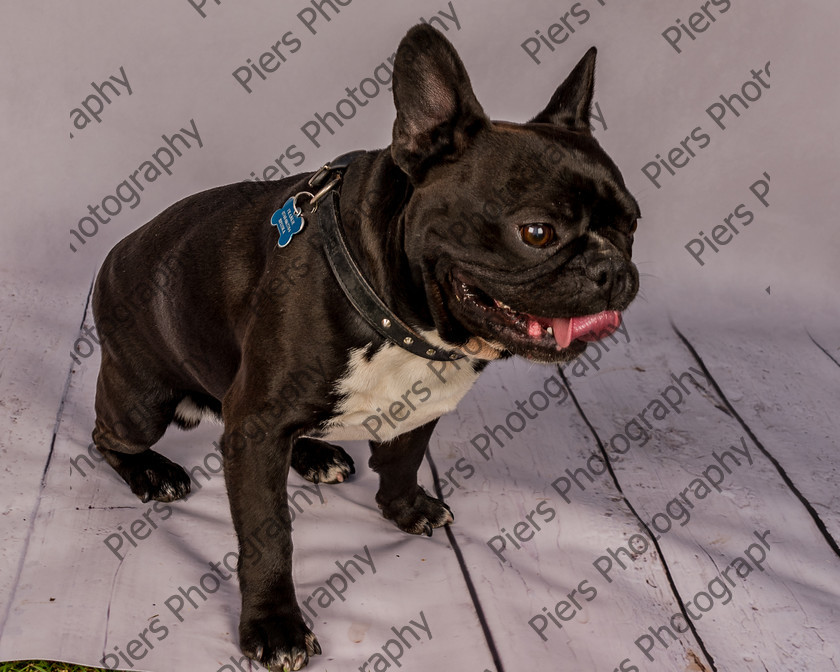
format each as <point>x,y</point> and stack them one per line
<point>712,492</point>
<point>665,504</point>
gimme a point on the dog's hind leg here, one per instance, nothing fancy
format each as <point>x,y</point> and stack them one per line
<point>132,413</point>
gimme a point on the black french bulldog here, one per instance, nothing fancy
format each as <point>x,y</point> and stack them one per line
<point>481,239</point>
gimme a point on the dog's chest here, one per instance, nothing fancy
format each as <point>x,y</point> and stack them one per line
<point>394,392</point>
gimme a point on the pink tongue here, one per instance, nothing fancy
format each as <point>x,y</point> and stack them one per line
<point>587,328</point>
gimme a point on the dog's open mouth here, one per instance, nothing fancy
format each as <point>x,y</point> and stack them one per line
<point>523,328</point>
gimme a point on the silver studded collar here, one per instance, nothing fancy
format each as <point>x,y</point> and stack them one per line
<point>351,280</point>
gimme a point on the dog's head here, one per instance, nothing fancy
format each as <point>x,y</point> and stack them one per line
<point>521,234</point>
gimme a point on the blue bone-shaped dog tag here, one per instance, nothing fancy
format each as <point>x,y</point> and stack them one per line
<point>288,222</point>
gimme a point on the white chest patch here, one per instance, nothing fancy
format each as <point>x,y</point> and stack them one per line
<point>395,392</point>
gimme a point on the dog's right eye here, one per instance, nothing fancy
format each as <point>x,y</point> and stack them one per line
<point>536,235</point>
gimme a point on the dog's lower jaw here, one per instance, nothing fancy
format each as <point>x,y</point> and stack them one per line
<point>563,356</point>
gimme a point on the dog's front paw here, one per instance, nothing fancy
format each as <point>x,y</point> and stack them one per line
<point>321,462</point>
<point>280,643</point>
<point>419,514</point>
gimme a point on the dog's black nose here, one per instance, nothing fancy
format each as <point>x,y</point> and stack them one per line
<point>604,277</point>
<point>613,277</point>
<point>603,271</point>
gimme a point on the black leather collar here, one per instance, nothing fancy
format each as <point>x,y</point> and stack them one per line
<point>351,280</point>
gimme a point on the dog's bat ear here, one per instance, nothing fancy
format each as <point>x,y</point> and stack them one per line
<point>571,103</point>
<point>437,111</point>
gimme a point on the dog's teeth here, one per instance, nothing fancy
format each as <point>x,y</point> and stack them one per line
<point>550,330</point>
